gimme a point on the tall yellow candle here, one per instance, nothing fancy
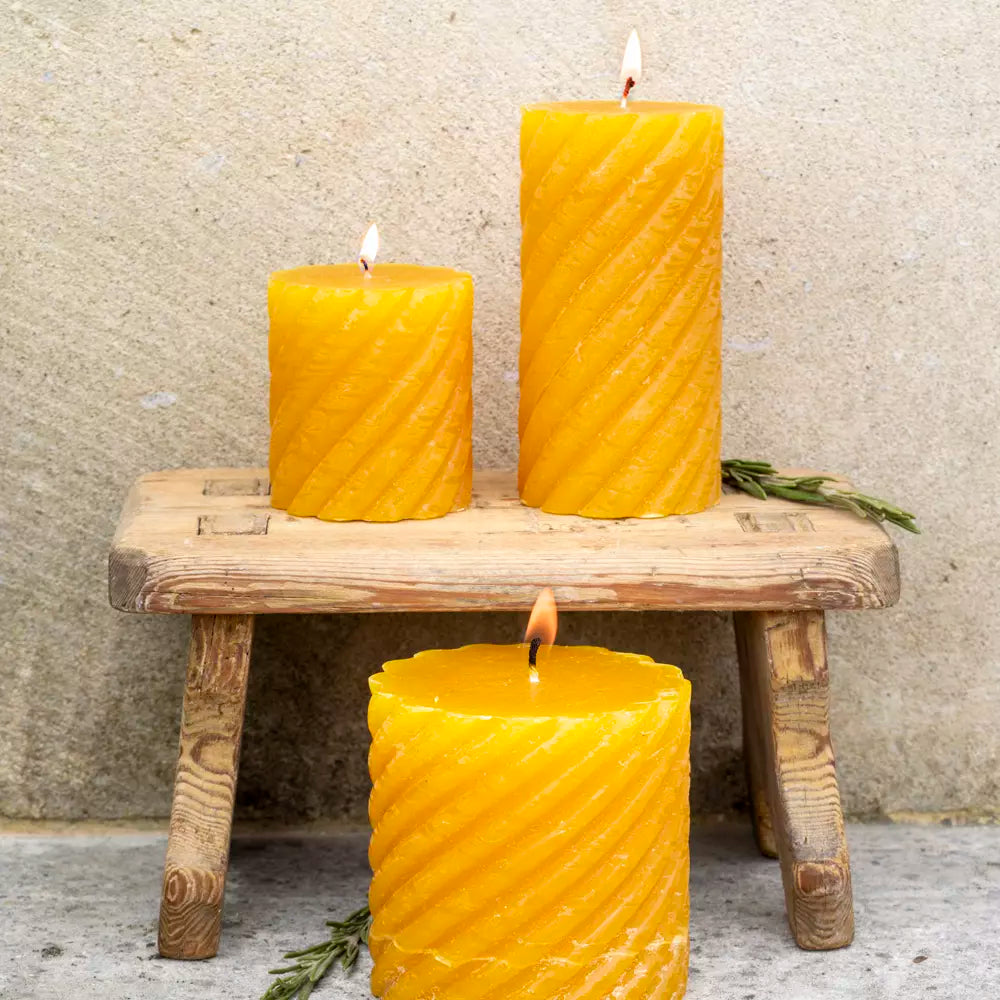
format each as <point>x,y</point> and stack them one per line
<point>371,399</point>
<point>621,209</point>
<point>530,839</point>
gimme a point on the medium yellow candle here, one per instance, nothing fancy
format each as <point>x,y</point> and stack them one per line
<point>621,209</point>
<point>371,400</point>
<point>530,839</point>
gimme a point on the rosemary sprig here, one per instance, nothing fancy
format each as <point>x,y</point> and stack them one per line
<point>762,480</point>
<point>312,964</point>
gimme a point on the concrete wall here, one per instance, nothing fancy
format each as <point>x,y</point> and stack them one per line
<point>159,159</point>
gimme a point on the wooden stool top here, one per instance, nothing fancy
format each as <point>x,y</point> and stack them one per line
<point>207,541</point>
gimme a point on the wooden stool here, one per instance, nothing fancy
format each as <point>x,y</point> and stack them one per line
<point>205,542</point>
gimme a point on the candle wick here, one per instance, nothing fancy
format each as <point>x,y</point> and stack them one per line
<point>365,267</point>
<point>629,84</point>
<point>533,651</point>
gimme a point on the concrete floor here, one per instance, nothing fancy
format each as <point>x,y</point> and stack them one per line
<point>77,917</point>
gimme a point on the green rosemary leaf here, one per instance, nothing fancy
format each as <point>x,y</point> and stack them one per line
<point>884,505</point>
<point>346,937</point>
<point>813,482</point>
<point>802,496</point>
<point>754,488</point>
<point>760,479</point>
<point>751,466</point>
<point>322,946</point>
<point>844,501</point>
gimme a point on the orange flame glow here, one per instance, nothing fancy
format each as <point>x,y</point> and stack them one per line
<point>544,619</point>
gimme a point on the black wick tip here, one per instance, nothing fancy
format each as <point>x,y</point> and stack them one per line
<point>533,651</point>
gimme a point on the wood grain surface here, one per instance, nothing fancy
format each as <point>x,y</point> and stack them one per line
<point>205,786</point>
<point>784,672</point>
<point>207,541</point>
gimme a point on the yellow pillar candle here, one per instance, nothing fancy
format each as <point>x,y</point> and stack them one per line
<point>530,839</point>
<point>620,368</point>
<point>371,401</point>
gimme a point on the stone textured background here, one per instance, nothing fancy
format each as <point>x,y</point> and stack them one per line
<point>157,160</point>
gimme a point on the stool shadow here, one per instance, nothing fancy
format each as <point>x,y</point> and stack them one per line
<point>306,741</point>
<point>736,893</point>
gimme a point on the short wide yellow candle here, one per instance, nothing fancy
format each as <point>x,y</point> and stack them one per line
<point>371,391</point>
<point>530,840</point>
<point>621,260</point>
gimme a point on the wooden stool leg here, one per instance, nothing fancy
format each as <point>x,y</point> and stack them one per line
<point>784,672</point>
<point>205,786</point>
<point>755,753</point>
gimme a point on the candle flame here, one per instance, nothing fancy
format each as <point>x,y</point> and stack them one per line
<point>631,66</point>
<point>544,619</point>
<point>369,249</point>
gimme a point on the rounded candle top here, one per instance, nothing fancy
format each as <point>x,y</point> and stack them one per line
<point>493,680</point>
<point>381,276</point>
<point>614,107</point>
